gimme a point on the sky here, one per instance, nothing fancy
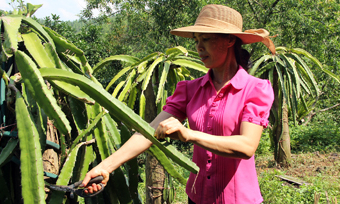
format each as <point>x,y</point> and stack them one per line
<point>66,9</point>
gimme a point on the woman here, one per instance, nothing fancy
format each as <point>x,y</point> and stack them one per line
<point>227,110</point>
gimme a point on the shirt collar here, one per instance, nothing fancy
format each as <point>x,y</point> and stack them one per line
<point>238,81</point>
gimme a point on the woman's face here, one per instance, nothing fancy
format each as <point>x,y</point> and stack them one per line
<point>213,48</point>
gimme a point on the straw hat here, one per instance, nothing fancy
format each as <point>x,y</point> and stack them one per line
<point>222,19</point>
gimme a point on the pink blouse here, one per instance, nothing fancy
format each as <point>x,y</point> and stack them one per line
<point>245,98</point>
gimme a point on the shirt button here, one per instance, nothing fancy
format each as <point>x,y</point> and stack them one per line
<point>211,115</point>
<point>250,119</point>
<point>209,128</point>
<point>220,95</point>
<point>214,104</point>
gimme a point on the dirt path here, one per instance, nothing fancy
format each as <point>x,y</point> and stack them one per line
<point>304,165</point>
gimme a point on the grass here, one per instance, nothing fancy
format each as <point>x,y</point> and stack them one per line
<point>315,160</point>
<point>321,173</point>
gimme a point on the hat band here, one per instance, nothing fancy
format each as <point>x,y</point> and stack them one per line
<point>212,22</point>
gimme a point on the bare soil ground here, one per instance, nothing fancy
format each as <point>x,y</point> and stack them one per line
<point>304,166</point>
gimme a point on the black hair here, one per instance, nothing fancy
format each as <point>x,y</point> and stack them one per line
<point>242,56</point>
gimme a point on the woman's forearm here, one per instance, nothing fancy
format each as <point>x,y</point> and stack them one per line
<point>132,148</point>
<point>227,146</point>
<point>236,146</point>
<point>136,145</point>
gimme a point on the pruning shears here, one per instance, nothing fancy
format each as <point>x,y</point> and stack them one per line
<point>73,188</point>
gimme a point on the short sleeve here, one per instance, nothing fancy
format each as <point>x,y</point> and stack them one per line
<point>177,103</point>
<point>258,104</point>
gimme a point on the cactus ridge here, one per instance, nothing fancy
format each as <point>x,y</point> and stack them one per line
<point>120,111</point>
<point>37,87</point>
<point>30,158</point>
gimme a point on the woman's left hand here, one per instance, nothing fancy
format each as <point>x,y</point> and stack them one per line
<point>174,129</point>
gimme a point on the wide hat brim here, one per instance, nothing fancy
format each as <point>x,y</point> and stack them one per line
<point>221,19</point>
<point>188,32</point>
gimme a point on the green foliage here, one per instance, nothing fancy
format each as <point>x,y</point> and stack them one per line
<point>61,27</point>
<point>292,73</point>
<point>119,112</point>
<point>32,180</point>
<point>141,27</point>
<point>293,82</point>
<point>48,90</point>
<point>152,70</point>
<point>311,25</point>
<point>19,8</point>
<point>37,87</point>
<point>65,174</point>
<point>180,195</point>
<point>274,191</point>
<point>144,26</point>
<point>7,152</point>
<point>91,37</point>
<point>322,134</point>
<point>265,147</point>
<point>155,69</point>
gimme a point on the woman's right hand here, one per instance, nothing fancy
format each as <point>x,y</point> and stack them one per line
<point>96,171</point>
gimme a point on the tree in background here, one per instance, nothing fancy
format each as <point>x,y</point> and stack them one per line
<point>294,87</point>
<point>311,25</point>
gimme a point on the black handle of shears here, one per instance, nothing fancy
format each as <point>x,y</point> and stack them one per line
<point>96,180</point>
<point>80,192</point>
